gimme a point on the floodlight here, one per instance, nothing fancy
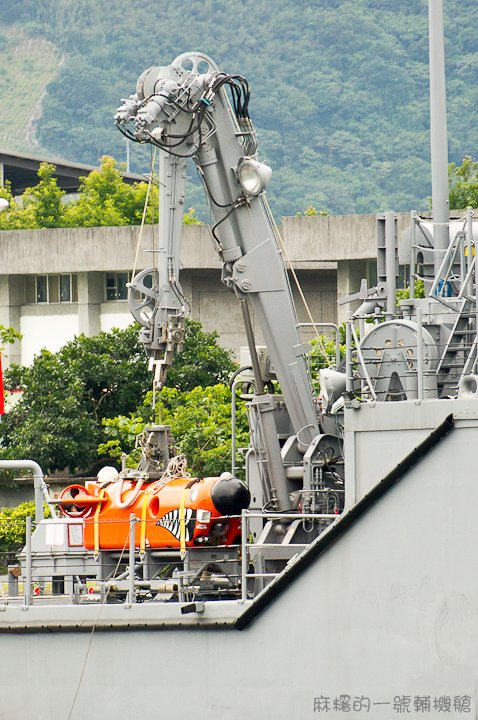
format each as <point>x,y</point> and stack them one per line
<point>253,176</point>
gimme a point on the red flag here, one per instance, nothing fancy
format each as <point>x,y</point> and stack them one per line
<point>2,394</point>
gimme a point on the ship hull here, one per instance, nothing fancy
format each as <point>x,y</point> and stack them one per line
<point>386,614</point>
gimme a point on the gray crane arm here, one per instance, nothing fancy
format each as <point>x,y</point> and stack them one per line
<point>191,109</point>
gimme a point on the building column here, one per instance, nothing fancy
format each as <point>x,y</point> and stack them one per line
<point>12,297</point>
<point>349,276</point>
<point>90,296</point>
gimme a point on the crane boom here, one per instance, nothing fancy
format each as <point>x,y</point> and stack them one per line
<point>184,109</point>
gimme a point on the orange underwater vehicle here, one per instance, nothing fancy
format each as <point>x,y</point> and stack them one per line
<point>173,510</point>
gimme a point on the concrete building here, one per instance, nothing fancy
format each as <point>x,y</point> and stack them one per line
<point>57,283</point>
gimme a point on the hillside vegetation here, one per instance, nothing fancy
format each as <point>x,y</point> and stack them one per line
<point>27,66</point>
<point>339,87</point>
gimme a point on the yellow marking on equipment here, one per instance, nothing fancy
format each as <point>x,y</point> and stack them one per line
<point>182,523</point>
<point>142,540</point>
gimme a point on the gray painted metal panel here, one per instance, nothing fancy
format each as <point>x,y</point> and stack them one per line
<point>390,610</point>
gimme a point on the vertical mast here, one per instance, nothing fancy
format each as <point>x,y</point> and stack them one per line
<point>438,130</point>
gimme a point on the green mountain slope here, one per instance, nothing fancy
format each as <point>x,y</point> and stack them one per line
<point>339,87</point>
<point>27,66</point>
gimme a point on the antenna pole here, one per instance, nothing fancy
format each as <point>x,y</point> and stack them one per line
<point>438,130</point>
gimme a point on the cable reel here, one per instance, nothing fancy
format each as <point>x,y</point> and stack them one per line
<point>143,294</point>
<point>196,63</point>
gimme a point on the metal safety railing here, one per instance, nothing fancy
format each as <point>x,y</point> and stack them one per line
<point>328,326</point>
<point>46,574</point>
<point>41,575</point>
<point>40,580</point>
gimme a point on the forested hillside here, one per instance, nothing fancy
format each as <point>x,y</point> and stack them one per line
<point>27,66</point>
<point>339,87</point>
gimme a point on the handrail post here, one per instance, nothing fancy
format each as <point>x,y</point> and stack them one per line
<point>419,355</point>
<point>233,426</point>
<point>475,247</point>
<point>469,237</point>
<point>132,524</point>
<point>244,533</point>
<point>413,242</point>
<point>27,582</point>
<point>390,265</point>
<point>362,362</point>
<point>337,346</point>
<point>348,355</point>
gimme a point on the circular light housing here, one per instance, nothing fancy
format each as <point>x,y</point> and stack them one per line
<point>3,204</point>
<point>253,176</point>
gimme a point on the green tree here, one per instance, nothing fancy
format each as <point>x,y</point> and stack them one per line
<point>46,198</point>
<point>112,369</point>
<point>106,199</point>
<point>463,184</point>
<point>6,217</point>
<point>67,394</point>
<point>121,433</point>
<point>202,362</point>
<point>200,421</point>
<point>190,218</point>
<point>311,211</point>
<point>323,352</point>
<point>40,206</point>
<point>404,293</point>
<point>8,335</point>
<point>16,216</point>
<point>13,530</point>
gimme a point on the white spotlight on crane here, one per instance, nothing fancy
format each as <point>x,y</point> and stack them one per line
<point>253,176</point>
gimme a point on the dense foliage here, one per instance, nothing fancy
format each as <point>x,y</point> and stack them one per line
<point>196,403</point>
<point>202,361</point>
<point>200,421</point>
<point>13,530</point>
<point>67,395</point>
<point>339,87</point>
<point>463,182</point>
<point>8,335</point>
<point>103,199</point>
<point>323,352</point>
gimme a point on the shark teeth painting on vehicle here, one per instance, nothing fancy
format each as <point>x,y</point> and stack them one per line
<point>171,522</point>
